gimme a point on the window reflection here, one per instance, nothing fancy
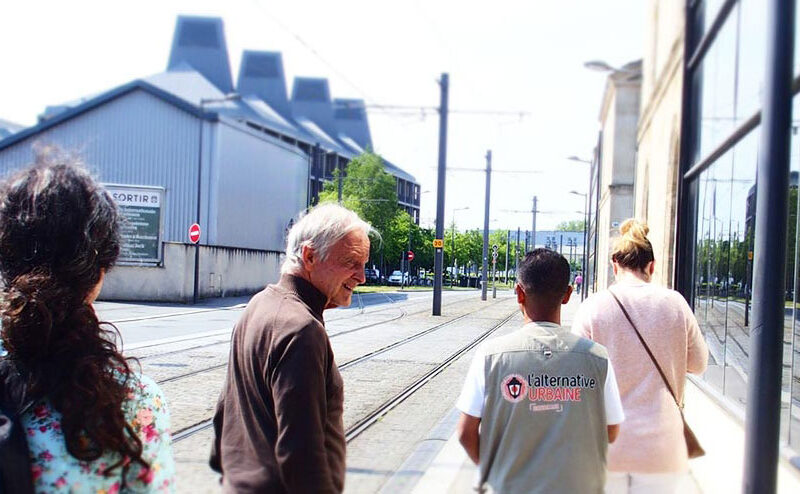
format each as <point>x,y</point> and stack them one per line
<point>751,58</point>
<point>723,271</point>
<point>717,105</point>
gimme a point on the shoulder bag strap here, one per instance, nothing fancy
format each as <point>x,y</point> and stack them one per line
<point>647,349</point>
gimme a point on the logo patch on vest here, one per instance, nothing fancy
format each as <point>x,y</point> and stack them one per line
<point>514,388</point>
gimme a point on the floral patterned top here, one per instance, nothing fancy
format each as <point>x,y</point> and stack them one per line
<point>54,470</point>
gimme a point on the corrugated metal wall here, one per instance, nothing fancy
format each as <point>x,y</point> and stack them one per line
<point>252,184</point>
<point>258,184</point>
<point>134,139</point>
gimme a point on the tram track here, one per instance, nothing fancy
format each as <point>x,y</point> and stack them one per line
<point>371,418</point>
<point>403,313</point>
<point>352,362</point>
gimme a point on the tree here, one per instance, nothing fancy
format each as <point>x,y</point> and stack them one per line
<point>570,226</point>
<point>371,192</point>
<point>366,189</point>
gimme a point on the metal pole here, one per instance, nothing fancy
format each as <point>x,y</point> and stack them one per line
<point>453,272</point>
<point>508,241</point>
<point>438,254</point>
<point>585,261</point>
<point>762,419</point>
<point>494,278</point>
<point>339,177</point>
<point>196,283</point>
<point>516,256</point>
<point>533,234</point>
<point>527,238</point>
<point>485,277</point>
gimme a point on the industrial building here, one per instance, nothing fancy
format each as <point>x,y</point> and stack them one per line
<point>240,160</point>
<point>7,128</point>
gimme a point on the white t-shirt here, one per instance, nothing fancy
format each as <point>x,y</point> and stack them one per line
<point>474,391</point>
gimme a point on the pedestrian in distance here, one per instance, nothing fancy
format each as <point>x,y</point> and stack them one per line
<point>578,282</point>
<point>90,422</point>
<point>651,453</point>
<point>278,425</point>
<point>540,405</point>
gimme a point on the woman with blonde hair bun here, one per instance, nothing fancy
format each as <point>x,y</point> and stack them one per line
<point>650,455</point>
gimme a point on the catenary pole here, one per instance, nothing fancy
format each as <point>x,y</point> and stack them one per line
<point>516,256</point>
<point>484,276</point>
<point>762,419</point>
<point>533,231</point>
<point>438,254</point>
<point>508,242</point>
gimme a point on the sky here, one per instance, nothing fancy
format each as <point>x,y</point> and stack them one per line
<point>510,56</point>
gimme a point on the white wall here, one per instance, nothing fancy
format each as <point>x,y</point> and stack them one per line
<point>223,272</point>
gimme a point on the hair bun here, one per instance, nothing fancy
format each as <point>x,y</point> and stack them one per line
<point>634,228</point>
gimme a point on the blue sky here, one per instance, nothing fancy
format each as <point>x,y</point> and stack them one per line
<point>517,56</point>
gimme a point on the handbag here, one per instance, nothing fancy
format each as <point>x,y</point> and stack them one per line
<point>693,446</point>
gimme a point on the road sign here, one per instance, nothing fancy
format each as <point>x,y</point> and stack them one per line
<point>438,243</point>
<point>194,233</point>
<point>410,255</point>
<point>494,248</point>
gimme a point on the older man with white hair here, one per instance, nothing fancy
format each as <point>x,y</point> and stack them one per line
<point>278,426</point>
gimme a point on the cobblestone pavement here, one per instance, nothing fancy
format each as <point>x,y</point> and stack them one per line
<point>191,369</point>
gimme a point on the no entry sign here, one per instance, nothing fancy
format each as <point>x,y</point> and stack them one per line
<point>410,255</point>
<point>194,233</point>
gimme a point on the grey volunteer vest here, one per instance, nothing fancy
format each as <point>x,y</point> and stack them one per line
<point>544,423</point>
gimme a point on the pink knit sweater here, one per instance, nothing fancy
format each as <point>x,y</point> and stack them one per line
<point>651,438</point>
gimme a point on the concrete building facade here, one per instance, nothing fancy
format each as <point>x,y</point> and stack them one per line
<point>659,133</point>
<point>616,156</point>
<point>700,140</point>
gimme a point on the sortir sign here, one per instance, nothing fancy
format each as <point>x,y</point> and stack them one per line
<point>141,218</point>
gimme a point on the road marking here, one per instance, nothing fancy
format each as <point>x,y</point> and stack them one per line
<point>176,339</point>
<point>174,314</point>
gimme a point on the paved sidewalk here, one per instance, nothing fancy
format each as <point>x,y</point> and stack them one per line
<point>721,434</point>
<point>720,471</point>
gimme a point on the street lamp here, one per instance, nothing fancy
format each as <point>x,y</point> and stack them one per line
<point>453,274</point>
<point>203,102</point>
<point>601,66</point>
<point>579,160</point>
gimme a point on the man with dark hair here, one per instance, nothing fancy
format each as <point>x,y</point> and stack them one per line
<point>540,405</point>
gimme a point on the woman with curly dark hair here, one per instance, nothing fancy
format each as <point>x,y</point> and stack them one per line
<point>95,425</point>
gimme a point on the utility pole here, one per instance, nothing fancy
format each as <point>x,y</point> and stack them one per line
<point>438,254</point>
<point>508,241</point>
<point>516,258</point>
<point>485,277</point>
<point>527,236</point>
<point>533,236</point>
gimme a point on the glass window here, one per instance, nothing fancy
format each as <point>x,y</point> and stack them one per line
<point>791,379</point>
<point>751,58</point>
<point>723,274</point>
<point>717,76</point>
<point>723,277</point>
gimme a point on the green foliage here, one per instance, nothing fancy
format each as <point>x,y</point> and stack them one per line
<point>366,189</point>
<point>570,226</point>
